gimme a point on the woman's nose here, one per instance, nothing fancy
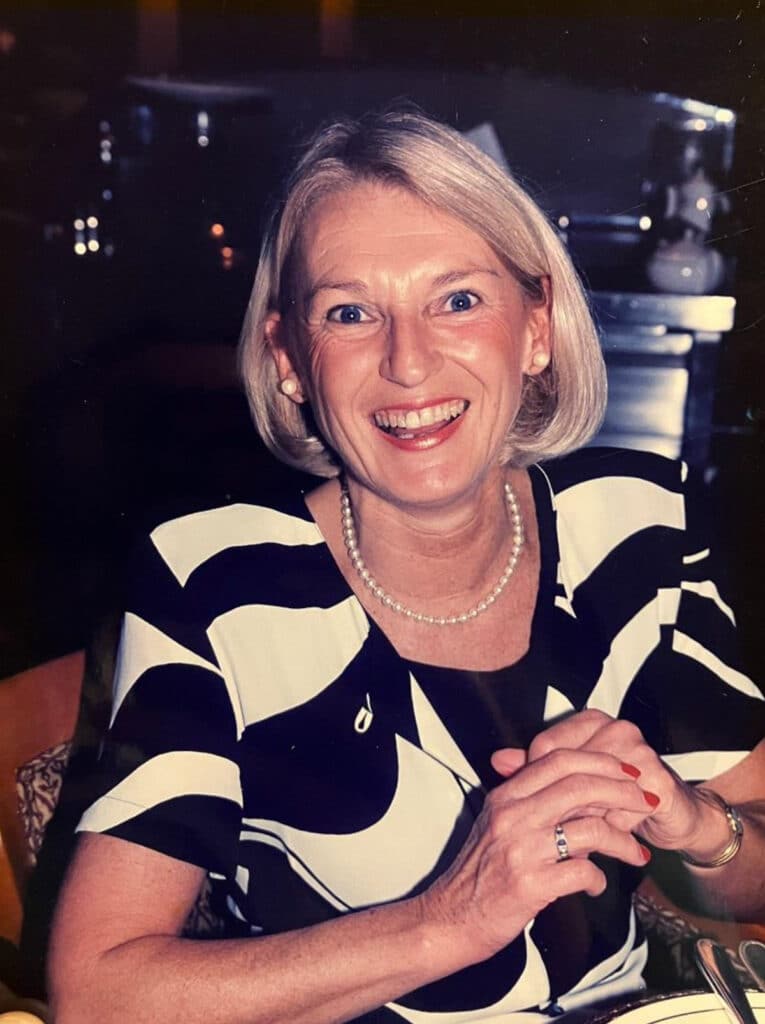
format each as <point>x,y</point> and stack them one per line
<point>411,352</point>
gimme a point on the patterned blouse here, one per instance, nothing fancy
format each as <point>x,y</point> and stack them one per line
<point>265,729</point>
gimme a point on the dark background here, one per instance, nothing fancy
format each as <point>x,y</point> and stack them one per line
<point>118,398</point>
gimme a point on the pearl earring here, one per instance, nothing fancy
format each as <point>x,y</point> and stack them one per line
<point>288,386</point>
<point>540,360</point>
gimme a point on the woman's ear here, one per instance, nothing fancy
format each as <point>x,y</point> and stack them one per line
<point>289,382</point>
<point>539,345</point>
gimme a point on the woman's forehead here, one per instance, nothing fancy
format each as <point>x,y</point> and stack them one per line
<point>379,222</point>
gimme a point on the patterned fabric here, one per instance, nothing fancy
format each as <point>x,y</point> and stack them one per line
<point>204,920</point>
<point>38,784</point>
<point>265,728</point>
<point>676,935</point>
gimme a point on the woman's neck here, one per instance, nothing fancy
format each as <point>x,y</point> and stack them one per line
<point>443,559</point>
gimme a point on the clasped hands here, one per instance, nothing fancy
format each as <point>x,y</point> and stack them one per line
<point>598,778</point>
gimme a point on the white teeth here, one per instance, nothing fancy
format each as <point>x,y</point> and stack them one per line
<point>412,419</point>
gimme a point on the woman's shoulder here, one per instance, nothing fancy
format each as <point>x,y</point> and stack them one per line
<point>194,535</point>
<point>603,464</point>
<point>620,524</point>
<point>602,497</point>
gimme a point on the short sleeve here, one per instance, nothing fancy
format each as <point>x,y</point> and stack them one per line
<point>168,768</point>
<point>711,713</point>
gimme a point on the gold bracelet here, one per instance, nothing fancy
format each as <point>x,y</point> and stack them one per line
<point>726,855</point>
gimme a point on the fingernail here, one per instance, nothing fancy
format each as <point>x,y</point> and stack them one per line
<point>630,769</point>
<point>651,799</point>
<point>645,853</point>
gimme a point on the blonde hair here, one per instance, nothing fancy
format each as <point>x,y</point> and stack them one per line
<point>561,407</point>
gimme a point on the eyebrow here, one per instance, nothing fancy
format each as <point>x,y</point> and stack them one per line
<point>449,277</point>
<point>333,286</point>
<point>452,276</point>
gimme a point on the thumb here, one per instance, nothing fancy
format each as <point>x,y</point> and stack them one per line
<point>508,760</point>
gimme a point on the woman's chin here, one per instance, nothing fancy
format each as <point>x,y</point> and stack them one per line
<point>439,485</point>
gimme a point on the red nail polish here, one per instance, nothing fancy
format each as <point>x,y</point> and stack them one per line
<point>645,853</point>
<point>651,799</point>
<point>630,769</point>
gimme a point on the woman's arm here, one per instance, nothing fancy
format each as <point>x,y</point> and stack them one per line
<point>738,888</point>
<point>116,955</point>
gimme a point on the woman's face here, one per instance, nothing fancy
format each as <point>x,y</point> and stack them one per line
<point>417,338</point>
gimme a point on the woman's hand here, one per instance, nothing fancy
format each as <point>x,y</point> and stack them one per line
<point>509,869</point>
<point>681,819</point>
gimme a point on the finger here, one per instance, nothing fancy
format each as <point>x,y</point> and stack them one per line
<point>568,798</point>
<point>595,835</point>
<point>572,732</point>
<point>508,760</point>
<point>576,875</point>
<point>623,739</point>
<point>619,737</point>
<point>626,821</point>
<point>561,764</point>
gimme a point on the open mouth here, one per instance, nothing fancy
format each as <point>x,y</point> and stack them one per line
<point>408,424</point>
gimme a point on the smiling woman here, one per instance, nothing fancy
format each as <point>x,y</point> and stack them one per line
<point>422,727</point>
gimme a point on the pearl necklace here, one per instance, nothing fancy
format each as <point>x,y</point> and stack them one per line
<point>352,547</point>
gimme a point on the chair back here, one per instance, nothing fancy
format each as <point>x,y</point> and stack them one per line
<point>38,713</point>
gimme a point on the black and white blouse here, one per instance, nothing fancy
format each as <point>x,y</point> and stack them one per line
<point>265,729</point>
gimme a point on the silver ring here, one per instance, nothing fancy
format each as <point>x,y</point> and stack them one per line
<point>561,843</point>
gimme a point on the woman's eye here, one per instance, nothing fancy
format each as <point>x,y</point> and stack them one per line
<point>460,302</point>
<point>347,315</point>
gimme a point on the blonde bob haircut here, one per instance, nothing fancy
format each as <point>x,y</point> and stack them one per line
<point>561,407</point>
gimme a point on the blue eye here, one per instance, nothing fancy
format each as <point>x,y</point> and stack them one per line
<point>460,302</point>
<point>346,315</point>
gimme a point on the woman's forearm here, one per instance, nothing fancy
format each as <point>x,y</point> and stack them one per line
<point>325,974</point>
<point>737,889</point>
